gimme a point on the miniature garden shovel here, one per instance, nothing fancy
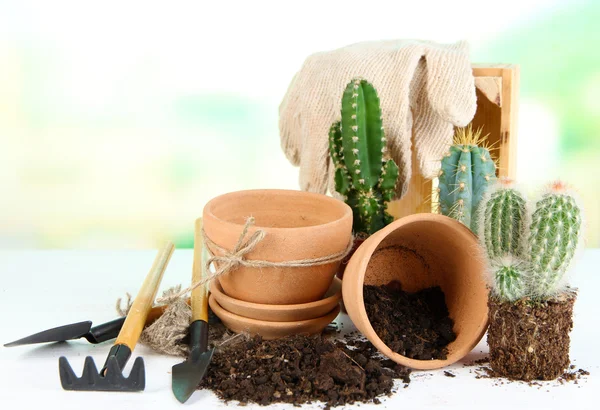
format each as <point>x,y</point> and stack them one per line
<point>93,334</point>
<point>187,375</point>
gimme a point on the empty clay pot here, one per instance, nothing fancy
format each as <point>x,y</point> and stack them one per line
<point>298,226</point>
<point>271,330</point>
<point>279,313</point>
<point>422,251</point>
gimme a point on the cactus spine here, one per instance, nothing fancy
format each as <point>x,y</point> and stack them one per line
<point>465,174</point>
<point>357,145</point>
<point>555,234</point>
<point>529,262</point>
<point>503,222</point>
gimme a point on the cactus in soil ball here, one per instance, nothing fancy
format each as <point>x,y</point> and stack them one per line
<point>502,231</point>
<point>554,236</point>
<point>530,308</point>
<point>357,145</point>
<point>466,171</point>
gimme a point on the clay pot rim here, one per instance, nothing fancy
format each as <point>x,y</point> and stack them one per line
<point>376,239</point>
<point>215,287</point>
<point>219,310</point>
<point>345,210</point>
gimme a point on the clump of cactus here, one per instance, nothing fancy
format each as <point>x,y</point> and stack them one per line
<point>529,252</point>
<point>466,171</point>
<point>364,174</point>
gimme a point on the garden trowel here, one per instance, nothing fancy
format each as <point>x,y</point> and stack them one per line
<point>187,375</point>
<point>96,334</point>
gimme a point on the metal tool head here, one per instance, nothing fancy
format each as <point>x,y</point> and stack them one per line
<point>96,334</point>
<point>57,334</point>
<point>188,375</point>
<point>109,379</point>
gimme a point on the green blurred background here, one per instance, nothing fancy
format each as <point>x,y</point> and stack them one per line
<point>119,120</point>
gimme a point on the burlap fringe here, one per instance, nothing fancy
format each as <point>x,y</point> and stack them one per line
<point>169,333</point>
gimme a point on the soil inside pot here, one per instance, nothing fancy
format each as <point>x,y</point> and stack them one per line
<point>415,325</point>
<point>301,369</point>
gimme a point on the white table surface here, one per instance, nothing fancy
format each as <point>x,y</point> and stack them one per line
<point>43,289</point>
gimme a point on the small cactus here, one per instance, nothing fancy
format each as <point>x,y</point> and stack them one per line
<point>555,234</point>
<point>364,174</point>
<point>502,230</point>
<point>465,174</point>
<point>529,259</point>
<point>503,220</point>
<point>509,276</point>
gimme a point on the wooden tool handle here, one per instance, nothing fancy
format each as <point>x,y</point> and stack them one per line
<point>199,297</point>
<point>136,318</point>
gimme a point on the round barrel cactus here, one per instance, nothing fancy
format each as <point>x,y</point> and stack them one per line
<point>466,171</point>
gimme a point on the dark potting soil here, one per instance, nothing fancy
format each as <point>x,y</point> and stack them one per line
<point>415,325</point>
<point>529,340</point>
<point>301,369</point>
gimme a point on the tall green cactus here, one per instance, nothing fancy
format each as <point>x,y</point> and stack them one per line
<point>502,230</point>
<point>357,146</point>
<point>465,174</point>
<point>555,234</point>
<point>530,262</point>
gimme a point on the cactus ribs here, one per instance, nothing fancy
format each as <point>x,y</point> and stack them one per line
<point>364,173</point>
<point>465,173</point>
<point>415,325</point>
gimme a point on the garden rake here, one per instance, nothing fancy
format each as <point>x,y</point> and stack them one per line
<point>110,377</point>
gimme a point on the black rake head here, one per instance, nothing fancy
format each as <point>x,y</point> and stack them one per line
<point>111,380</point>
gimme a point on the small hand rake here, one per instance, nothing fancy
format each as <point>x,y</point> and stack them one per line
<point>110,377</point>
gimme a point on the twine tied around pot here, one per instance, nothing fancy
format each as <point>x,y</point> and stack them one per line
<point>230,260</point>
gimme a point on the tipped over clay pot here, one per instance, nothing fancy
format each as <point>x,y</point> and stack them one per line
<point>298,226</point>
<point>422,251</point>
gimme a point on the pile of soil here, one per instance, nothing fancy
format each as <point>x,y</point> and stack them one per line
<point>301,369</point>
<point>484,371</point>
<point>573,375</point>
<point>415,325</point>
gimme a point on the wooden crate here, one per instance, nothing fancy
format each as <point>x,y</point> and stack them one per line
<point>497,103</point>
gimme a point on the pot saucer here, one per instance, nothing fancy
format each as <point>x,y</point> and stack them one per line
<point>271,330</point>
<point>279,313</point>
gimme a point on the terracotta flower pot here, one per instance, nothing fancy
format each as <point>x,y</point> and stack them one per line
<point>358,240</point>
<point>421,251</point>
<point>279,313</point>
<point>271,330</point>
<point>298,226</point>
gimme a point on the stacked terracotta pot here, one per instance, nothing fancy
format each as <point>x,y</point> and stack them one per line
<point>281,300</point>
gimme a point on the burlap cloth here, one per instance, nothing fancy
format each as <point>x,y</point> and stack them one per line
<point>425,88</point>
